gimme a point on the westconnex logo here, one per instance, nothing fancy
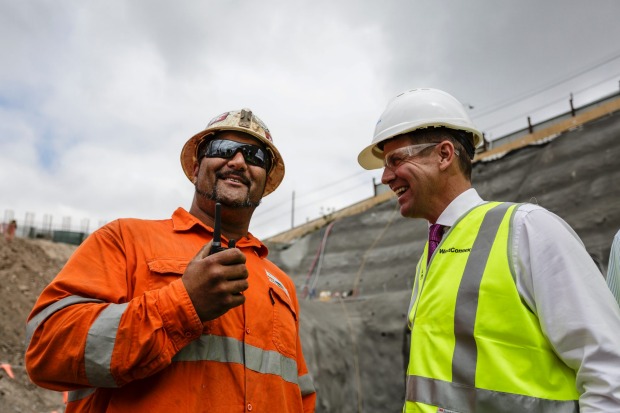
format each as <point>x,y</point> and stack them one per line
<point>454,250</point>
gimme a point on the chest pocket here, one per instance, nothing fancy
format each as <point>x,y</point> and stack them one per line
<point>284,323</point>
<point>164,271</point>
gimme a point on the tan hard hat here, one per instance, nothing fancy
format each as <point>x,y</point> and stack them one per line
<point>242,121</point>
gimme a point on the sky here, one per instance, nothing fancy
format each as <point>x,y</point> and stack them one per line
<point>98,97</point>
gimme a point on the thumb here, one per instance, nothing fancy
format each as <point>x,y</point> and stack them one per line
<point>204,251</point>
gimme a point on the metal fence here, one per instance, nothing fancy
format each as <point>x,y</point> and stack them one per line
<point>45,227</point>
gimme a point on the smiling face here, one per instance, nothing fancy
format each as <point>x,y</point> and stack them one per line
<point>232,182</point>
<point>424,169</point>
<point>413,175</point>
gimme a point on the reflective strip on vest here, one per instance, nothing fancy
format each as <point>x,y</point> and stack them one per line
<point>464,399</point>
<point>51,309</point>
<point>100,346</point>
<point>465,350</point>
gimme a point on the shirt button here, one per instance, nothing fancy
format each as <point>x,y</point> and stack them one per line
<point>247,330</point>
<point>249,407</point>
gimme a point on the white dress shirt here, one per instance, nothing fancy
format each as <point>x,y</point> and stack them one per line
<point>562,285</point>
<point>613,269</point>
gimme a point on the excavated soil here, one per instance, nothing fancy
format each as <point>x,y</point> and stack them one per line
<point>26,267</point>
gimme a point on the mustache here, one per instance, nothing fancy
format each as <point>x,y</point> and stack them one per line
<point>238,175</point>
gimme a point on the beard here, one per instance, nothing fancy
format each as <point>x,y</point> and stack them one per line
<point>214,195</point>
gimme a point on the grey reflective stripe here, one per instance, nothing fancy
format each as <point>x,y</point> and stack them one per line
<point>51,309</point>
<point>306,384</point>
<point>220,349</point>
<point>76,395</point>
<point>465,351</point>
<point>100,345</point>
<point>271,362</point>
<point>463,399</point>
<point>212,348</point>
<point>230,350</point>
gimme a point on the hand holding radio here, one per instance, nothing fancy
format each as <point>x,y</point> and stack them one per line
<point>216,277</point>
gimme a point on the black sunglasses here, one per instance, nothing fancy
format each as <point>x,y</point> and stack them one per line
<point>223,148</point>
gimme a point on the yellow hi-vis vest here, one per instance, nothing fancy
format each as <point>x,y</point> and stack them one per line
<point>475,345</point>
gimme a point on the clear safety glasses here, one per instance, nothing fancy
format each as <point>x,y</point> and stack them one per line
<point>395,158</point>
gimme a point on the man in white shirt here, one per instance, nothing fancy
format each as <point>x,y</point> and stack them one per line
<point>509,313</point>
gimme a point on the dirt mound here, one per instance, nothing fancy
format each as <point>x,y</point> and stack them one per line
<point>26,267</point>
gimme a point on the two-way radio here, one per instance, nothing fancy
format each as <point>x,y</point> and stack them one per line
<point>216,246</point>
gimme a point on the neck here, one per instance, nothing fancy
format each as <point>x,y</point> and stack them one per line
<point>448,193</point>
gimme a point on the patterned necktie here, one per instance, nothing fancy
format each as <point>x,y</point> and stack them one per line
<point>434,237</point>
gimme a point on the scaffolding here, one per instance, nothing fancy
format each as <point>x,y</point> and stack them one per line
<point>29,227</point>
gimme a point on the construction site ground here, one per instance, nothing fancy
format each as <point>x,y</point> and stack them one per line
<point>26,267</point>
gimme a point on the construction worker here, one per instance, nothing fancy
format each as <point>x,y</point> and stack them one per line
<point>147,317</point>
<point>509,313</point>
<point>10,230</point>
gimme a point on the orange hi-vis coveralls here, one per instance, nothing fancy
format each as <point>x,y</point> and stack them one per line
<point>117,329</point>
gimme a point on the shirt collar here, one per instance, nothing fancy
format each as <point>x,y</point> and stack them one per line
<point>184,221</point>
<point>459,206</point>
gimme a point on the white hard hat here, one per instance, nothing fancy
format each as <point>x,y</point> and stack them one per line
<point>417,109</point>
<point>242,121</point>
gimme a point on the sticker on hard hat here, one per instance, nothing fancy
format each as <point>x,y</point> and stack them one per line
<point>218,118</point>
<point>262,125</point>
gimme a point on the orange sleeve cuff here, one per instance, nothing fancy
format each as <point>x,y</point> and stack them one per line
<point>178,314</point>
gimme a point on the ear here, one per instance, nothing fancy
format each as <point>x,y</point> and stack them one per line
<point>446,155</point>
<point>195,176</point>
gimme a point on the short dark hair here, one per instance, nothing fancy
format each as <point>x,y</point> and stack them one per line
<point>456,137</point>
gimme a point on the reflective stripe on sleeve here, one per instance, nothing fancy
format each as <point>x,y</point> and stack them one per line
<point>306,384</point>
<point>76,395</point>
<point>51,309</point>
<point>100,345</point>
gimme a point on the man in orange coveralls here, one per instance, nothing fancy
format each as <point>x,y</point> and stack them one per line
<point>144,317</point>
